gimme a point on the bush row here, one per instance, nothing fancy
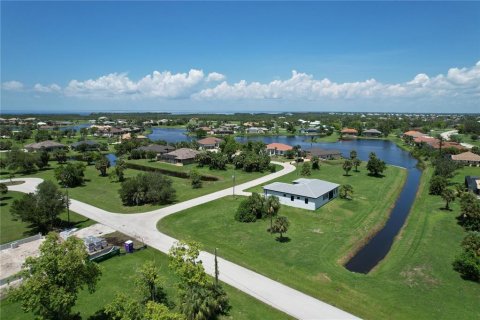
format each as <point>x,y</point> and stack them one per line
<point>172,173</point>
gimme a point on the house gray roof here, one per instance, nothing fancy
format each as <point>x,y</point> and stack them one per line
<point>45,144</point>
<point>323,152</point>
<point>157,148</point>
<point>183,154</point>
<point>312,188</point>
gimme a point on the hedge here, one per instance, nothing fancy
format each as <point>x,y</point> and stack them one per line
<point>172,173</point>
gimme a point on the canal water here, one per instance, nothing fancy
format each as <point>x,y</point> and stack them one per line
<point>377,248</point>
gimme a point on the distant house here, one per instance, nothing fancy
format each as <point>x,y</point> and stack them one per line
<point>180,156</point>
<point>308,130</point>
<point>278,149</point>
<point>413,133</point>
<point>256,130</point>
<point>158,149</point>
<point>308,194</point>
<point>89,145</point>
<point>210,143</point>
<point>48,145</point>
<point>473,184</point>
<point>325,154</point>
<point>223,130</point>
<point>372,133</point>
<point>467,158</point>
<point>349,132</point>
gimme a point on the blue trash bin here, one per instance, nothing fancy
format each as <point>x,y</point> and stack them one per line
<point>129,246</point>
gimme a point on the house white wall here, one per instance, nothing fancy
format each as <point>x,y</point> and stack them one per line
<point>299,201</point>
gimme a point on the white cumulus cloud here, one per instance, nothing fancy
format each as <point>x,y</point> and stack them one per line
<point>164,84</point>
<point>215,77</point>
<point>12,85</point>
<point>47,89</point>
<point>303,86</point>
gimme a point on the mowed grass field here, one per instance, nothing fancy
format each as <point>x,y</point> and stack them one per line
<point>415,280</point>
<point>102,192</point>
<point>118,275</point>
<point>11,230</point>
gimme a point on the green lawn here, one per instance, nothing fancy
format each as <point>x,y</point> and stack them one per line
<point>103,192</point>
<point>415,280</point>
<point>11,230</point>
<point>118,276</point>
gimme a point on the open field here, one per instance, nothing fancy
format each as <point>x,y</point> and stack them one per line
<point>415,280</point>
<point>103,192</point>
<point>123,268</point>
<point>11,230</point>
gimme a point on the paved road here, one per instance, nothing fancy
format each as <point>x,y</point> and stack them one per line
<point>143,227</point>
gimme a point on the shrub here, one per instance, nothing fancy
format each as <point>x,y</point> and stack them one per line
<point>437,185</point>
<point>153,188</point>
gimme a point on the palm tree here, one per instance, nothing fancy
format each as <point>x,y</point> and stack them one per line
<point>356,162</point>
<point>449,196</point>
<point>281,226</point>
<point>353,154</point>
<point>347,166</point>
<point>273,205</point>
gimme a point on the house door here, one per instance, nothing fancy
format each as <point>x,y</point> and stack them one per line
<point>330,195</point>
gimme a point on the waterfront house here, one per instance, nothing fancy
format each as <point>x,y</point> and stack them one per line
<point>210,143</point>
<point>48,145</point>
<point>309,194</point>
<point>349,132</point>
<point>467,158</point>
<point>158,149</point>
<point>180,156</point>
<point>278,149</point>
<point>324,154</point>
<point>372,133</point>
<point>256,130</point>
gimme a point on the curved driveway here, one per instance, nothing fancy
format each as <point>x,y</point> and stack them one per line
<point>143,227</point>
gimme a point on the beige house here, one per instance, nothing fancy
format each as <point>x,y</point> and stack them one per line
<point>467,158</point>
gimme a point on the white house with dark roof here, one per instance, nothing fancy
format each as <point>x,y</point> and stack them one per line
<point>309,194</point>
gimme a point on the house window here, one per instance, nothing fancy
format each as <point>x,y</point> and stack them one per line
<point>292,198</point>
<point>306,200</point>
<point>298,198</point>
<point>325,196</point>
<point>284,195</point>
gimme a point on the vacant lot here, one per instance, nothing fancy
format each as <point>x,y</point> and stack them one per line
<point>118,276</point>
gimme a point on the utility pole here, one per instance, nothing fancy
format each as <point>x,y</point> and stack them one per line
<point>233,177</point>
<point>68,205</point>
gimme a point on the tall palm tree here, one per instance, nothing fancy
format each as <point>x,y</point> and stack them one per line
<point>273,205</point>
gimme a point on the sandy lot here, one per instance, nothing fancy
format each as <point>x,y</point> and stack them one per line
<point>11,260</point>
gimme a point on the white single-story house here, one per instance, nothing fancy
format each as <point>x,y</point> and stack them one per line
<point>308,194</point>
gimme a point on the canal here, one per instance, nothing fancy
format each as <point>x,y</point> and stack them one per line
<point>378,247</point>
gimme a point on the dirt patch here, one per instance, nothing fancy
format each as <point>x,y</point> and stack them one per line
<point>96,230</point>
<point>118,239</point>
<point>321,277</point>
<point>317,231</point>
<point>419,275</point>
<point>11,260</point>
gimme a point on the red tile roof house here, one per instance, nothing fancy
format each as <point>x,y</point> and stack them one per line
<point>278,149</point>
<point>349,132</point>
<point>210,143</point>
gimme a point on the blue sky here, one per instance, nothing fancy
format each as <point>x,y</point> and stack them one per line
<point>254,56</point>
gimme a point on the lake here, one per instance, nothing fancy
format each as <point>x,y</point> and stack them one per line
<point>171,135</point>
<point>378,247</point>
